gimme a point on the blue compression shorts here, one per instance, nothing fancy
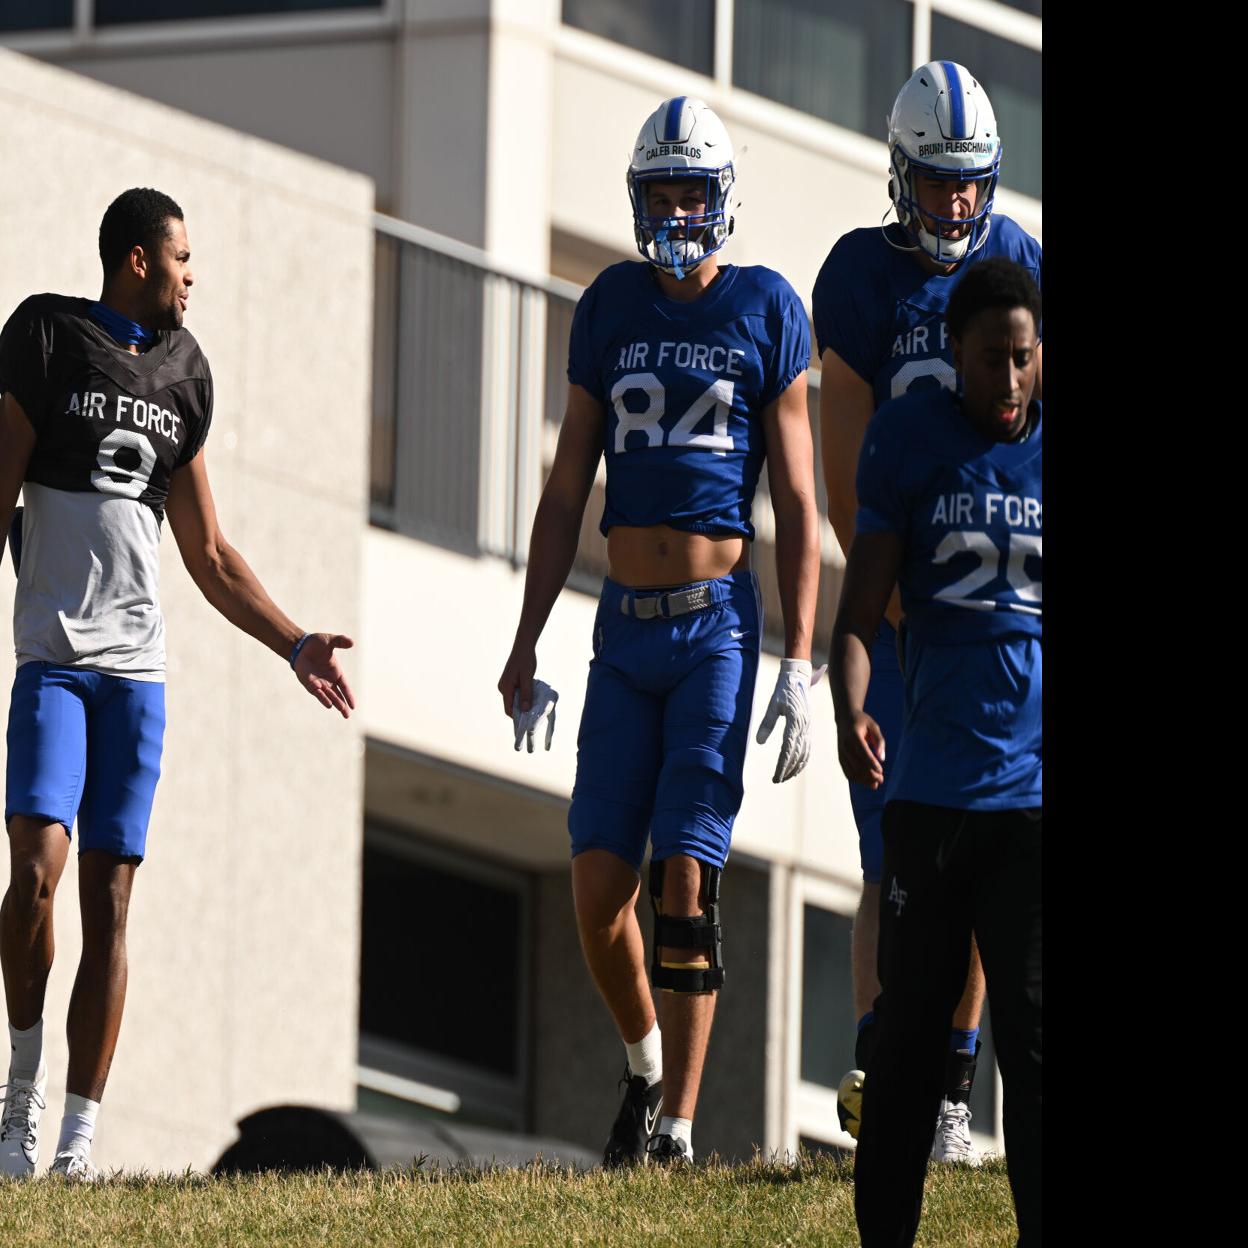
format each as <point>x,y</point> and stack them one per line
<point>886,705</point>
<point>85,745</point>
<point>662,743</point>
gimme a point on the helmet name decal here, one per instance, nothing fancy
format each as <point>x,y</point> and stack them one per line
<point>949,147</point>
<point>674,149</point>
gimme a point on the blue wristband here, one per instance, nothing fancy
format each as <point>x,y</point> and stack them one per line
<point>294,654</point>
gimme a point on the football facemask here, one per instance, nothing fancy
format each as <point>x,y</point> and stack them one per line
<point>942,126</point>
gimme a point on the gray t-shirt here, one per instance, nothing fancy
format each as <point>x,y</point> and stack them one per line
<point>111,428</point>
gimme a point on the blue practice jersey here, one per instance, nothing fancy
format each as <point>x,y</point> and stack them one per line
<point>969,512</point>
<point>684,386</point>
<point>884,315</point>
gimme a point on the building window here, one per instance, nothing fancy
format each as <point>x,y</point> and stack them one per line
<point>444,952</point>
<point>119,12</point>
<point>1010,74</point>
<point>683,33</point>
<point>36,14</point>
<point>827,996</point>
<point>842,60</point>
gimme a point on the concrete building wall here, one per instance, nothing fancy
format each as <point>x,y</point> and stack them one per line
<point>244,922</point>
<point>334,100</point>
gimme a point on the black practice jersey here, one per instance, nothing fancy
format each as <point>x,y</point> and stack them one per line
<point>111,427</point>
<point>105,418</point>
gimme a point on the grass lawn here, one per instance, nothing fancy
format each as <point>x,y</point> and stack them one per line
<point>809,1202</point>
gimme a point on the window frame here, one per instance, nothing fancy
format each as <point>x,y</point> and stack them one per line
<point>204,32</point>
<point>432,1079</point>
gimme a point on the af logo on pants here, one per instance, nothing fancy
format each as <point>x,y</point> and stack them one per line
<point>897,896</point>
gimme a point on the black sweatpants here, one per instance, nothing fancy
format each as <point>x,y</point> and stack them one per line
<point>948,873</point>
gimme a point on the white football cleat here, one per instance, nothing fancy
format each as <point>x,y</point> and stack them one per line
<point>953,1135</point>
<point>73,1166</point>
<point>24,1104</point>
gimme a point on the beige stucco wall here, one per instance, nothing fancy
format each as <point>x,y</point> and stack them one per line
<point>244,922</point>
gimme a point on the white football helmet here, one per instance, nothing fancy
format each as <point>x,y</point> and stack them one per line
<point>942,125</point>
<point>683,139</point>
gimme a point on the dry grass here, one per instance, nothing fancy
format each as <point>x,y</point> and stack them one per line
<point>809,1202</point>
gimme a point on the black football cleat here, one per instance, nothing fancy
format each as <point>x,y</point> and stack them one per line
<point>635,1123</point>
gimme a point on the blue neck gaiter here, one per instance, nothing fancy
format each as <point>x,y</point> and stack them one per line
<point>121,329</point>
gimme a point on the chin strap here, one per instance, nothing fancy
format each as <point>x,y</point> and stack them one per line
<point>958,248</point>
<point>968,249</point>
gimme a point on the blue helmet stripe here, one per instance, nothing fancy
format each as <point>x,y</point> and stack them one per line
<point>671,123</point>
<point>956,103</point>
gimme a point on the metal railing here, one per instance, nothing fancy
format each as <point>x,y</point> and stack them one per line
<point>470,384</point>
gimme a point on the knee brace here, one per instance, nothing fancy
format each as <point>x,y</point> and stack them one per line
<point>698,932</point>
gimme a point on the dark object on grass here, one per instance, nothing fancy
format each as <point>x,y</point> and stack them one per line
<point>300,1137</point>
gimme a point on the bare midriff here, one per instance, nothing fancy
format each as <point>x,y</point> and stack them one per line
<point>658,556</point>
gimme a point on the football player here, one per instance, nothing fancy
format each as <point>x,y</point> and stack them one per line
<point>686,373</point>
<point>879,305</point>
<point>950,509</point>
<point>105,410</point>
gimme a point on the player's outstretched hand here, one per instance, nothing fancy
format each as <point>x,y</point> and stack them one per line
<point>792,700</point>
<point>860,744</point>
<point>321,674</point>
<point>542,702</point>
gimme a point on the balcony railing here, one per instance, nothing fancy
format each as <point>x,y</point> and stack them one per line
<point>470,384</point>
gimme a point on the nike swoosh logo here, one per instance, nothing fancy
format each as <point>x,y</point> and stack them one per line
<point>736,635</point>
<point>652,1120</point>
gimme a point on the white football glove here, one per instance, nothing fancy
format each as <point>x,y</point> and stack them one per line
<point>790,699</point>
<point>544,699</point>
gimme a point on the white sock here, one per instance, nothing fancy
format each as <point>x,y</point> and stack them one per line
<point>27,1051</point>
<point>678,1129</point>
<point>645,1057</point>
<point>78,1124</point>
